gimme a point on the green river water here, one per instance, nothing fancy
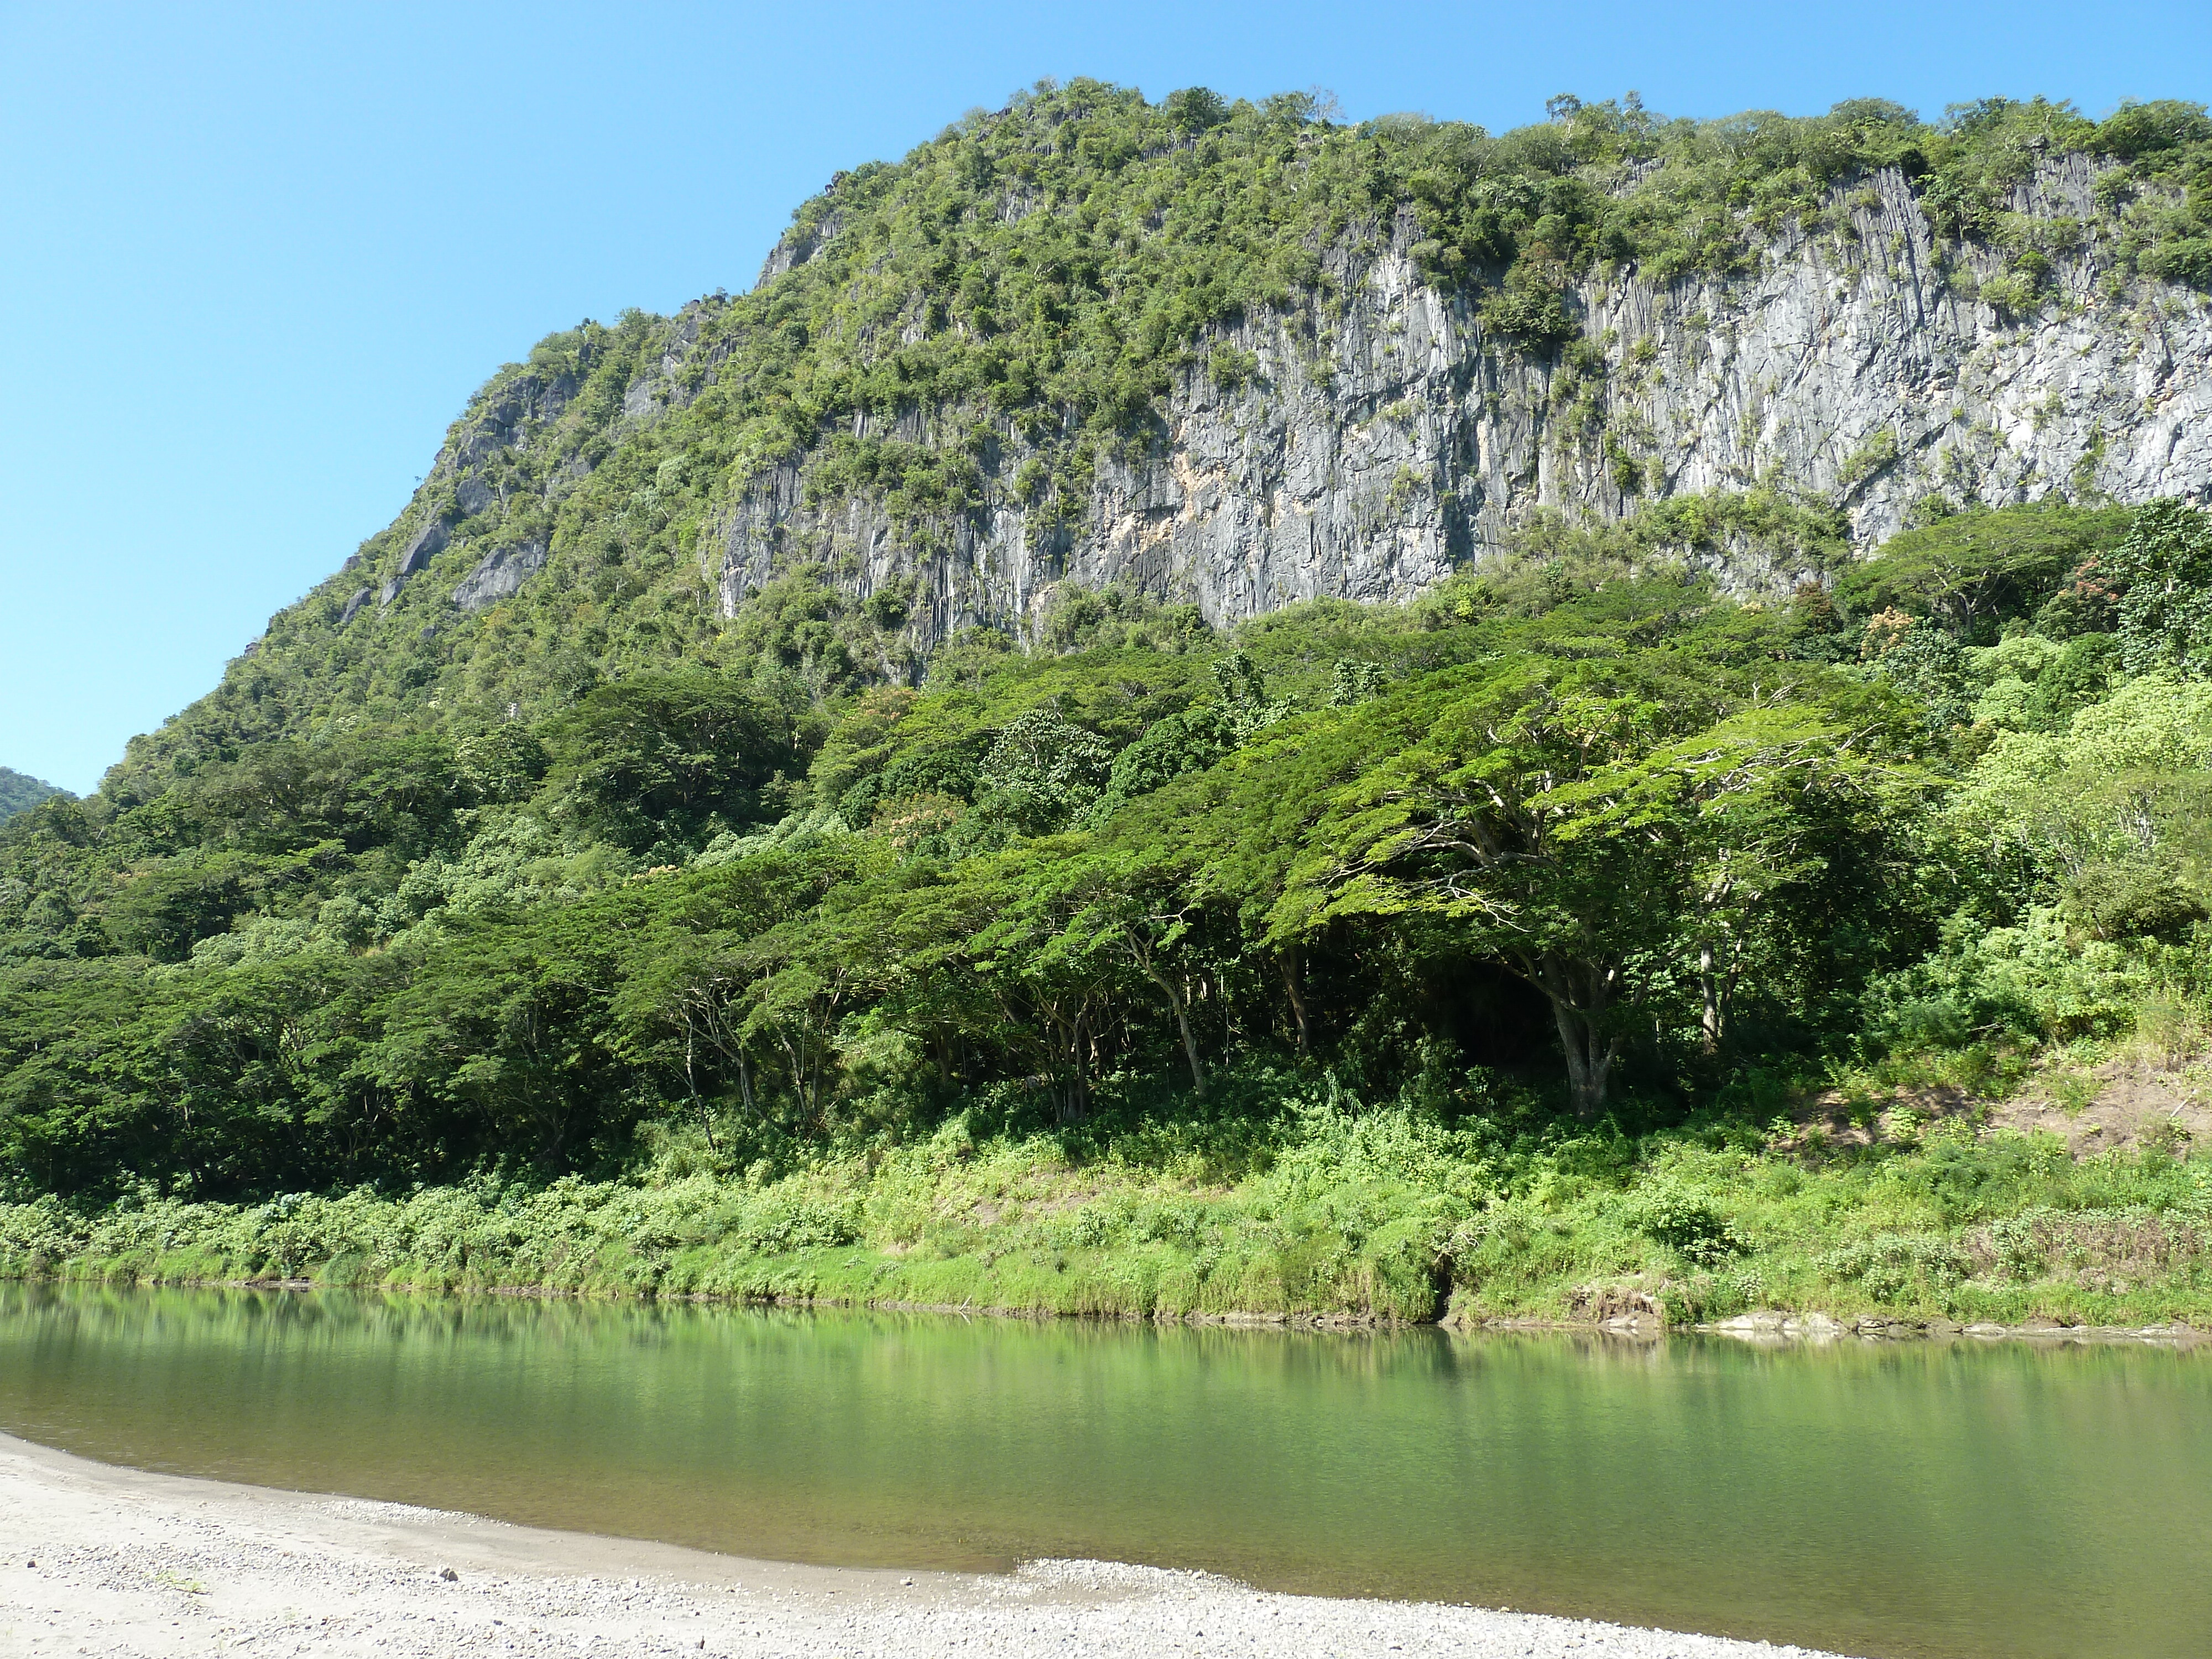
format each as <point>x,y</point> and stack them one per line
<point>1896,1499</point>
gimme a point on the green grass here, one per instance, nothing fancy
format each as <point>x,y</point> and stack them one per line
<point>1318,1210</point>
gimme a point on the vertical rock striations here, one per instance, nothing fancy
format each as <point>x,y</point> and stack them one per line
<point>1368,437</point>
<point>1373,448</point>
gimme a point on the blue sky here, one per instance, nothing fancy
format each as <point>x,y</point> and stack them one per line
<point>256,257</point>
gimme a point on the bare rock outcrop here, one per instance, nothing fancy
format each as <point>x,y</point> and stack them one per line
<point>1365,444</point>
<point>499,575</point>
<point>1376,444</point>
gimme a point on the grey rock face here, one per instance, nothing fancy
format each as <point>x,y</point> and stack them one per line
<point>429,542</point>
<point>354,605</point>
<point>500,574</point>
<point>796,246</point>
<point>501,419</point>
<point>481,465</point>
<point>1379,444</point>
<point>473,494</point>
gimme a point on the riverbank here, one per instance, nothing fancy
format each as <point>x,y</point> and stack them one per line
<point>1934,1211</point>
<point>122,1562</point>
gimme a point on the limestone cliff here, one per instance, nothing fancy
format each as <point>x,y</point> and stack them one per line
<point>956,390</point>
<point>1373,448</point>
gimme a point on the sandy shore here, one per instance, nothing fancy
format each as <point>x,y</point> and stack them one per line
<point>110,1561</point>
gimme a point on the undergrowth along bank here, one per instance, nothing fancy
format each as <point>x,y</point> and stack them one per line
<point>1295,1199</point>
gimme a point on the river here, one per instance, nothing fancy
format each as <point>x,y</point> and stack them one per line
<point>1905,1499</point>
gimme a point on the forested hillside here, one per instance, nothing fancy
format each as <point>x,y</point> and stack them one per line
<point>1396,928</point>
<point>18,791</point>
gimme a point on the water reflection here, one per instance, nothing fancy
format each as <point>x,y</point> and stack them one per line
<point>1900,1500</point>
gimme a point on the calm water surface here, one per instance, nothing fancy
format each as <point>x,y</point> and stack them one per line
<point>1916,1499</point>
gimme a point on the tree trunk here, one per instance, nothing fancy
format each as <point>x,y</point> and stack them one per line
<point>1589,1060</point>
<point>1293,961</point>
<point>1708,987</point>
<point>1183,1023</point>
<point>706,1117</point>
<point>1076,1108</point>
<point>1590,1054</point>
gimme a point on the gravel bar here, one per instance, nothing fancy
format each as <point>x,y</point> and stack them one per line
<point>110,1561</point>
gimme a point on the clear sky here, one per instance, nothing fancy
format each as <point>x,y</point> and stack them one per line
<point>253,258</point>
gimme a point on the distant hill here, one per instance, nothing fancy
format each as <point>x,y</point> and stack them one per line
<point>18,793</point>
